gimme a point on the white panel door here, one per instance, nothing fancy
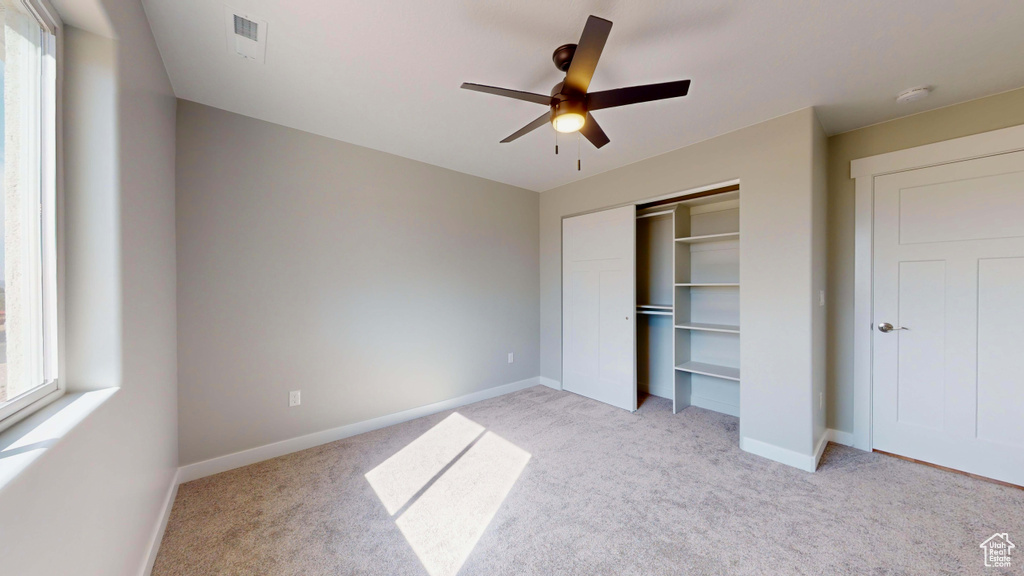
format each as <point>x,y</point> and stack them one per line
<point>598,303</point>
<point>948,379</point>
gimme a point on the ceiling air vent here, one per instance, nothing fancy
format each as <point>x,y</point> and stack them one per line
<point>246,28</point>
<point>247,35</point>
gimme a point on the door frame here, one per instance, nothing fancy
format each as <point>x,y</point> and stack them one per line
<point>865,171</point>
<point>561,259</point>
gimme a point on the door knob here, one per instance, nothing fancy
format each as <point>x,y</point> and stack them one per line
<point>886,327</point>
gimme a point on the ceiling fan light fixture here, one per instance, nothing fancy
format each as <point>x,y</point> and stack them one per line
<point>568,116</point>
<point>569,122</point>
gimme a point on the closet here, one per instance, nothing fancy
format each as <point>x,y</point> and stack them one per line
<point>685,309</point>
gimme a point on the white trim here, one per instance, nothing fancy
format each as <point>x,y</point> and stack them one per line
<point>865,170</point>
<point>653,214</point>
<point>48,16</point>
<point>839,437</point>
<point>717,406</point>
<point>22,406</point>
<point>805,462</point>
<point>220,464</point>
<point>550,382</point>
<point>161,524</point>
<point>822,444</point>
<point>658,391</point>
<point>688,191</point>
<point>19,408</point>
<point>864,208</point>
<point>956,150</point>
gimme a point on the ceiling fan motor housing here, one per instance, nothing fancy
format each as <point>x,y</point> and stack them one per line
<point>563,56</point>
<point>569,106</point>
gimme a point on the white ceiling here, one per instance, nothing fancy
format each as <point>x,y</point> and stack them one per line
<point>385,74</point>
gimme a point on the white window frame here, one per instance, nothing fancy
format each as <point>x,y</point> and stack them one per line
<point>20,407</point>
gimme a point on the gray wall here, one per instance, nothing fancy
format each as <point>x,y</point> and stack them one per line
<point>775,162</point>
<point>982,115</point>
<point>90,504</point>
<point>819,281</point>
<point>371,282</point>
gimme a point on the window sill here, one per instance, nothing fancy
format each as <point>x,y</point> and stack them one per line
<point>23,406</point>
<point>23,443</point>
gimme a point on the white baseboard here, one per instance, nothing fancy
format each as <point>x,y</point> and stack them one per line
<point>550,383</point>
<point>654,389</point>
<point>666,394</point>
<point>820,449</point>
<point>795,459</point>
<point>709,404</point>
<point>220,464</point>
<point>805,462</point>
<point>840,437</point>
<point>161,525</point>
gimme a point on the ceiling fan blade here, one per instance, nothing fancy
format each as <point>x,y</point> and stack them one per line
<point>588,51</point>
<point>636,94</point>
<point>592,131</point>
<point>517,94</point>
<point>540,121</point>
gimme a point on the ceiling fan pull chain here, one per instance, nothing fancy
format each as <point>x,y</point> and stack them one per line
<point>556,141</point>
<point>578,152</point>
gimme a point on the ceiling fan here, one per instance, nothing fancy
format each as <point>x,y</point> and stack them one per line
<point>570,104</point>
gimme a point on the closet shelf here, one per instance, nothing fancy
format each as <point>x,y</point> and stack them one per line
<point>723,372</point>
<point>709,327</point>
<point>709,238</point>
<point>710,285</point>
<point>655,306</point>
<point>654,312</point>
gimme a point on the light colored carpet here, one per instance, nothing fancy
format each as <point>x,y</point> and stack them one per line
<point>593,490</point>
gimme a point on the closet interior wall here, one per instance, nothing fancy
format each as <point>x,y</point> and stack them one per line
<point>654,278</point>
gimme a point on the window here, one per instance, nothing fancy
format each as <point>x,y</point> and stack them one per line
<point>28,299</point>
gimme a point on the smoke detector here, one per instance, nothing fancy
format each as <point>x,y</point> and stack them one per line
<point>913,94</point>
<point>247,35</point>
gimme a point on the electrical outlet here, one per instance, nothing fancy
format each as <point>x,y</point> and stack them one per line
<point>294,398</point>
<point>821,297</point>
<point>510,358</point>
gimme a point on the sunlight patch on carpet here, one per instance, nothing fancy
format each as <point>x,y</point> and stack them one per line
<point>405,473</point>
<point>444,524</point>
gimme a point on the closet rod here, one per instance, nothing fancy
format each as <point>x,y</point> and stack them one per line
<point>654,312</point>
<point>663,212</point>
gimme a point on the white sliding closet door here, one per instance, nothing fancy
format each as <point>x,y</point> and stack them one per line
<point>598,303</point>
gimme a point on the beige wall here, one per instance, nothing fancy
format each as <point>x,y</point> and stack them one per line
<point>775,162</point>
<point>371,282</point>
<point>90,504</point>
<point>983,115</point>
<point>819,282</point>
